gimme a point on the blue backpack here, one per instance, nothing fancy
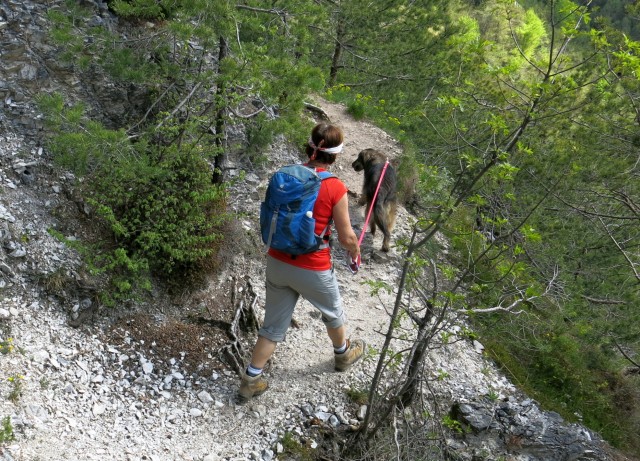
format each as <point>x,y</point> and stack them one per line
<point>286,215</point>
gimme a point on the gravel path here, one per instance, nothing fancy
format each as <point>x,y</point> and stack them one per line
<point>72,396</point>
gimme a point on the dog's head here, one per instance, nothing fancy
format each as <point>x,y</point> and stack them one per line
<point>366,158</point>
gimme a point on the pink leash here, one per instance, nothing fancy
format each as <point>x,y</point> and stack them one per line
<point>355,264</point>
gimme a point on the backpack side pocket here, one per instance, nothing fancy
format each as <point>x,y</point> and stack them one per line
<point>265,224</point>
<point>307,235</point>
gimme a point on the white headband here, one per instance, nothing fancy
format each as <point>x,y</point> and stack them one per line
<point>328,150</point>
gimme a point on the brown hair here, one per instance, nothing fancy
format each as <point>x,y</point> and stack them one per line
<point>325,135</point>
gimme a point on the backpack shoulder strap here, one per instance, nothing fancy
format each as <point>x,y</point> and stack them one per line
<point>325,175</point>
<point>321,174</point>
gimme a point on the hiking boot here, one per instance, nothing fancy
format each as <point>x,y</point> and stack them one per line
<point>252,386</point>
<point>354,352</point>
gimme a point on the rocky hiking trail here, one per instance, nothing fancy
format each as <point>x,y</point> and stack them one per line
<point>99,392</point>
<point>102,391</point>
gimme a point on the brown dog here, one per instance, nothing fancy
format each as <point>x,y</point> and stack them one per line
<point>384,210</point>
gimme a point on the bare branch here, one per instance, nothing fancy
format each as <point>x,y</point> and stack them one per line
<point>509,308</point>
<point>395,434</point>
<point>317,110</point>
<point>282,13</point>
<point>177,108</point>
<point>252,114</point>
<point>520,50</point>
<point>628,202</point>
<point>566,41</point>
<point>152,106</point>
<point>590,213</point>
<point>637,365</point>
<point>632,265</point>
<point>602,301</point>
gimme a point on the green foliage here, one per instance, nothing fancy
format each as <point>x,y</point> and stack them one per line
<point>6,346</point>
<point>468,334</point>
<point>85,46</point>
<point>145,9</point>
<point>126,278</point>
<point>65,30</point>
<point>358,396</point>
<point>377,285</point>
<point>442,375</point>
<point>6,431</point>
<point>452,424</point>
<point>530,34</point>
<point>294,447</point>
<point>357,107</point>
<point>162,205</point>
<point>363,106</point>
<point>16,383</point>
<point>82,145</point>
<point>510,156</point>
<point>44,383</point>
<point>150,183</point>
<point>158,201</point>
<point>557,370</point>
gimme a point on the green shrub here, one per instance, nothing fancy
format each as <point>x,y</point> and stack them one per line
<point>69,29</point>
<point>294,447</point>
<point>158,202</point>
<point>356,109</point>
<point>16,384</point>
<point>452,424</point>
<point>162,206</point>
<point>6,346</point>
<point>553,367</point>
<point>359,396</point>
<point>6,431</point>
<point>145,9</point>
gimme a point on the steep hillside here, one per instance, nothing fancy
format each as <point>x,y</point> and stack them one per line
<point>154,379</point>
<point>150,380</point>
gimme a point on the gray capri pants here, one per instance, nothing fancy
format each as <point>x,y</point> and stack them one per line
<point>285,284</point>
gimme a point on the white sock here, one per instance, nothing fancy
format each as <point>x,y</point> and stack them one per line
<point>253,371</point>
<point>341,350</point>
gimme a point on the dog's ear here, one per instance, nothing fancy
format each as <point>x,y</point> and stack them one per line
<point>375,157</point>
<point>366,156</point>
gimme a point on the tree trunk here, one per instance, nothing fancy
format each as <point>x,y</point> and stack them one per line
<point>337,53</point>
<point>220,159</point>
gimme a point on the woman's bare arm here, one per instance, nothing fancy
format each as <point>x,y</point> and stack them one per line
<point>346,236</point>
